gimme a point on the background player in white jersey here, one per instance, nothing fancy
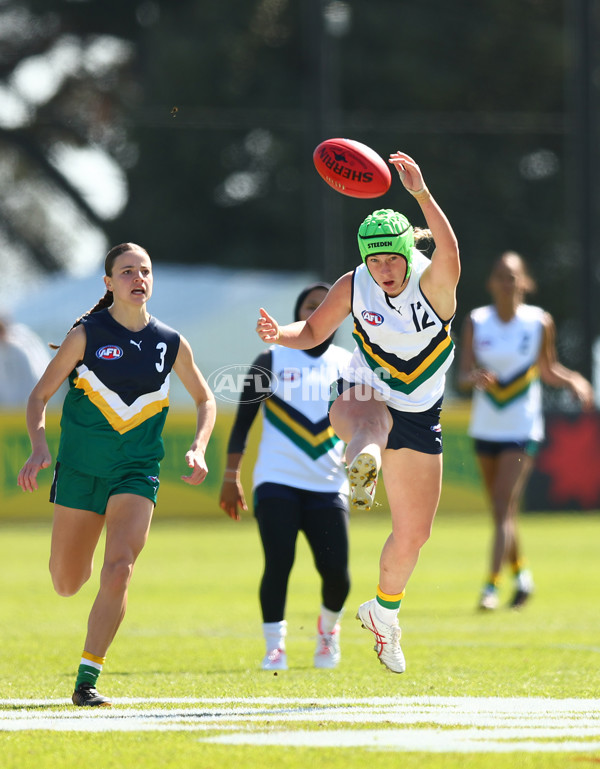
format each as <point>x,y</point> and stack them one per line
<point>118,359</point>
<point>506,348</point>
<point>300,482</point>
<point>389,400</point>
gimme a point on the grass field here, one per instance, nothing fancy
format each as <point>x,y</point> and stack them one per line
<point>516,689</point>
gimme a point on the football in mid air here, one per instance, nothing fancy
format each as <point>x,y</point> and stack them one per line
<point>352,168</point>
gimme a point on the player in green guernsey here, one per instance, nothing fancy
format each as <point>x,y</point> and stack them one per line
<point>118,360</point>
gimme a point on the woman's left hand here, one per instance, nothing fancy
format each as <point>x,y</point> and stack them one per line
<point>409,172</point>
<point>267,327</point>
<point>196,461</point>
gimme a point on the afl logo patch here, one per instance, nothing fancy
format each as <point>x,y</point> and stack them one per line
<point>109,352</point>
<point>290,374</point>
<point>372,318</point>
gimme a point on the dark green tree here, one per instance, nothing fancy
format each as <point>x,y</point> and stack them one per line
<point>211,112</point>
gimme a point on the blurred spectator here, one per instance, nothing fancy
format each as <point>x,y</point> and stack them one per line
<point>23,359</point>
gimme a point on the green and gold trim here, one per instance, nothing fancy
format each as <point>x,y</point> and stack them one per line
<point>502,394</point>
<point>118,414</point>
<point>314,438</point>
<point>387,600</point>
<point>406,375</point>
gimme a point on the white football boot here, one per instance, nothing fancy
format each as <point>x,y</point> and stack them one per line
<point>328,652</point>
<point>275,660</point>
<point>524,588</point>
<point>488,600</point>
<point>275,634</point>
<point>362,474</point>
<point>387,637</point>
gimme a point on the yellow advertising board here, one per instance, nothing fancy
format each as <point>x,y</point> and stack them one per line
<point>175,499</point>
<point>461,490</point>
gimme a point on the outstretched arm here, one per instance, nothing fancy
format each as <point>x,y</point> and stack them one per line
<point>440,279</point>
<point>306,334</point>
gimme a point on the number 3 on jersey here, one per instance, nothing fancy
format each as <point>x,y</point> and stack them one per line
<point>162,350</point>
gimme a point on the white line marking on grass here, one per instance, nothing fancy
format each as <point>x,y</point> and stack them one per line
<point>425,724</point>
<point>422,741</point>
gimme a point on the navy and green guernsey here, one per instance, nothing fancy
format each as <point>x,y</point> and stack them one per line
<point>118,398</point>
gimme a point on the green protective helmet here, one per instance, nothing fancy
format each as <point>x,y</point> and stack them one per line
<point>386,232</point>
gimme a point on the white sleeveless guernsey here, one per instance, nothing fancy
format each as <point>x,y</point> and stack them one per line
<point>298,447</point>
<point>512,409</point>
<point>403,348</point>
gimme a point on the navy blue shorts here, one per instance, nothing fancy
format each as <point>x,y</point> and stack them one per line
<point>416,430</point>
<point>494,448</point>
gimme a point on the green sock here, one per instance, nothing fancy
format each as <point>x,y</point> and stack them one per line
<point>89,669</point>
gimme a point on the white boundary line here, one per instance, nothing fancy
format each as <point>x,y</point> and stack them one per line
<point>424,724</point>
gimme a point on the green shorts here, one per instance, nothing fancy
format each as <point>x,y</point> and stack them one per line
<point>71,488</point>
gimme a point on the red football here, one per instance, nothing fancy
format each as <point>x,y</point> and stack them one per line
<point>352,168</point>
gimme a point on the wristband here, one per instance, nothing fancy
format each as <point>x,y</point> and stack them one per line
<point>421,195</point>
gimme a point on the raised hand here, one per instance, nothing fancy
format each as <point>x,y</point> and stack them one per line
<point>267,327</point>
<point>409,172</point>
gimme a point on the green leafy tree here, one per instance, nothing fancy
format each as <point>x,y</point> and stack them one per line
<point>209,113</point>
<point>65,77</point>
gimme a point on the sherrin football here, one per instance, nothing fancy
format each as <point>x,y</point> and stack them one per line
<point>352,168</point>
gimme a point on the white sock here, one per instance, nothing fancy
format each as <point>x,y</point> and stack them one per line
<point>328,619</point>
<point>387,616</point>
<point>275,633</point>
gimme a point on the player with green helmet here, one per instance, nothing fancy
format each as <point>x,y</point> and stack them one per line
<point>387,405</point>
<point>387,232</point>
